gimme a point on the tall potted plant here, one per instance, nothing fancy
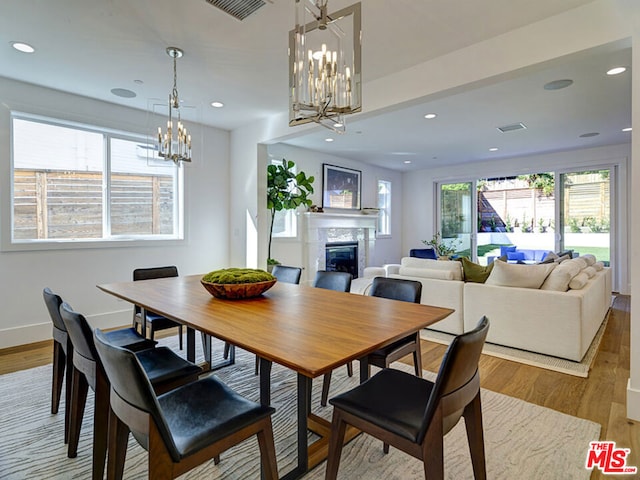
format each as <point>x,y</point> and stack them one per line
<point>286,190</point>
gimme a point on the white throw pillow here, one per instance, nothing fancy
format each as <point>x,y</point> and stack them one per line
<point>516,275</point>
<point>449,266</point>
<point>579,281</point>
<point>598,266</point>
<point>558,280</point>
<point>589,258</point>
<point>426,273</point>
<point>590,271</point>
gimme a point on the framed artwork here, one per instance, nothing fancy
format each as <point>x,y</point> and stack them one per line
<point>340,187</point>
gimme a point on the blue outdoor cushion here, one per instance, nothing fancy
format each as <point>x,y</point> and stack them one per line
<point>515,255</point>
<point>504,249</point>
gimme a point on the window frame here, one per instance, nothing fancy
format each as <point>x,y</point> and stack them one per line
<point>9,243</point>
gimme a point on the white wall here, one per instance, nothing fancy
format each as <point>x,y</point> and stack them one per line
<point>420,197</point>
<point>387,250</point>
<point>74,273</point>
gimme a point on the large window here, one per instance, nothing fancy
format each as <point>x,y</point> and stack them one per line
<point>74,182</point>
<point>384,204</point>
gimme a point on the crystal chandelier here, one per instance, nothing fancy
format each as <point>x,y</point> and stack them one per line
<point>324,65</point>
<point>175,143</point>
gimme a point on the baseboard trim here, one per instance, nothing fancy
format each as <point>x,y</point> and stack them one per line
<point>38,332</point>
<point>633,402</point>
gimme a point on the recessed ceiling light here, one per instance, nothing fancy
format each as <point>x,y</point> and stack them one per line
<point>123,92</point>
<point>407,161</point>
<point>616,70</point>
<point>217,104</point>
<point>23,47</point>
<point>429,116</point>
<point>328,139</point>
<point>493,149</point>
<point>590,134</point>
<point>558,84</point>
<point>628,129</point>
<point>139,82</point>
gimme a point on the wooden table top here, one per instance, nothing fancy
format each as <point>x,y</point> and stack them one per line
<point>309,330</point>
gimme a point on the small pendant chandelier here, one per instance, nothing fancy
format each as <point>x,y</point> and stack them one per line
<point>324,65</point>
<point>175,143</point>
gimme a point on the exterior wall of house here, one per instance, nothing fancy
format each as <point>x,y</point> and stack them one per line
<point>75,272</point>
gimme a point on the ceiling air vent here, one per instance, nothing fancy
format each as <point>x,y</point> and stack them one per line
<point>512,128</point>
<point>239,9</point>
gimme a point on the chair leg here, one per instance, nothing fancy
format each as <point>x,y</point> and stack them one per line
<point>326,383</point>
<point>417,357</point>
<point>350,369</point>
<point>180,336</point>
<point>79,387</point>
<point>432,448</point>
<point>225,354</point>
<point>67,392</point>
<point>473,421</point>
<point>118,438</point>
<point>268,451</point>
<point>59,363</point>
<point>100,425</point>
<point>257,365</point>
<point>338,429</point>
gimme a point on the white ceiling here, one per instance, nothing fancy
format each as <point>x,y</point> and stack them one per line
<point>89,47</point>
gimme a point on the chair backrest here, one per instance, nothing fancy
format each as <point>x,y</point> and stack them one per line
<point>151,273</point>
<point>429,253</point>
<point>53,302</point>
<point>287,274</point>
<point>339,281</point>
<point>458,380</point>
<point>81,336</point>
<point>396,289</point>
<point>130,382</point>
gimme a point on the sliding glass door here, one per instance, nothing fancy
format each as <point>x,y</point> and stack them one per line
<point>585,213</point>
<point>456,216</point>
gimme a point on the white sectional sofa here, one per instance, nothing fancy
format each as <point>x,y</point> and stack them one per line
<point>547,316</point>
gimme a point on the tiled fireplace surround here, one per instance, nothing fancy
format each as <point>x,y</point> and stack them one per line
<point>322,228</point>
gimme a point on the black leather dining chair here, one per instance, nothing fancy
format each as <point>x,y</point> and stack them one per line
<point>340,282</point>
<point>62,358</point>
<point>155,321</point>
<point>406,291</point>
<point>287,274</point>
<point>182,428</point>
<point>414,414</point>
<point>166,371</point>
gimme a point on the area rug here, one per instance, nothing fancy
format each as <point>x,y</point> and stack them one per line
<point>522,440</point>
<point>578,369</point>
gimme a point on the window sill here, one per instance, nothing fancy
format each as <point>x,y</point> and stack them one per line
<point>35,245</point>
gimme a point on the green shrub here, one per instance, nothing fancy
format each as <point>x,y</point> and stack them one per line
<point>237,275</point>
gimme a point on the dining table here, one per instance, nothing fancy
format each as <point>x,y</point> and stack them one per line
<point>311,331</point>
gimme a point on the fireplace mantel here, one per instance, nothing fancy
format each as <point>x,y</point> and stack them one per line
<point>322,228</point>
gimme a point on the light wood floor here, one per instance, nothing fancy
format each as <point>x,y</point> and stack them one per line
<point>600,398</point>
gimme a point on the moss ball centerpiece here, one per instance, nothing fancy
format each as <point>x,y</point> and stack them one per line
<point>237,283</point>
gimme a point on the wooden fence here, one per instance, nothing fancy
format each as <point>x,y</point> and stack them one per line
<point>53,204</point>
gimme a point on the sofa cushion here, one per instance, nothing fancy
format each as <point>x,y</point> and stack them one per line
<point>598,266</point>
<point>579,281</point>
<point>505,249</point>
<point>426,273</point>
<point>589,258</point>
<point>558,280</point>
<point>423,263</point>
<point>516,275</point>
<point>590,271</point>
<point>474,272</point>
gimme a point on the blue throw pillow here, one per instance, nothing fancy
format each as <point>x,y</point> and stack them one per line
<point>504,249</point>
<point>515,255</point>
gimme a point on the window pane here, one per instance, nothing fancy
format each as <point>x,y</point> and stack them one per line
<point>57,182</point>
<point>384,205</point>
<point>142,195</point>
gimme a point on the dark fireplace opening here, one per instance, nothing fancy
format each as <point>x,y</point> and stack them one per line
<point>342,257</point>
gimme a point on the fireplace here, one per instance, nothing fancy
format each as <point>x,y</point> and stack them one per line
<point>342,257</point>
